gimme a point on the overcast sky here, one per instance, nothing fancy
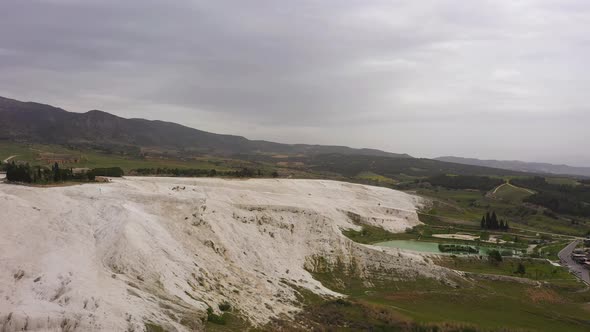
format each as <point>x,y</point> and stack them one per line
<point>487,79</point>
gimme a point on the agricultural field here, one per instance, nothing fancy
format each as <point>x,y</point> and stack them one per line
<point>562,180</point>
<point>375,178</point>
<point>46,155</point>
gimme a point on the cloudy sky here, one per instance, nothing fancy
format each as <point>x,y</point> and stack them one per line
<point>488,79</point>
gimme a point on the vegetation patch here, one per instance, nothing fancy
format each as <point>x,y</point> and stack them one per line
<point>429,305</point>
<point>215,318</point>
<point>375,179</point>
<point>457,248</point>
<point>151,327</point>
<point>534,269</point>
<point>464,182</point>
<point>372,234</point>
<point>511,193</point>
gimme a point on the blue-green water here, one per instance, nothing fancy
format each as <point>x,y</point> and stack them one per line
<point>429,247</point>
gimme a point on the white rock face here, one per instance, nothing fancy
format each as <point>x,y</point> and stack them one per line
<point>113,256</point>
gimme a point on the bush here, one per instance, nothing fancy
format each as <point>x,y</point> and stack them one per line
<point>494,256</point>
<point>225,306</point>
<point>216,319</point>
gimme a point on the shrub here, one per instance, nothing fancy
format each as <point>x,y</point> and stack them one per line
<point>494,256</point>
<point>225,306</point>
<point>216,319</point>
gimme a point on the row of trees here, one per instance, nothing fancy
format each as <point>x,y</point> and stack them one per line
<point>483,183</point>
<point>196,172</point>
<point>490,221</point>
<point>560,198</point>
<point>38,174</point>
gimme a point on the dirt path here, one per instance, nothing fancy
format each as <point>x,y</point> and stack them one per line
<point>521,188</point>
<point>8,159</point>
<point>511,185</point>
<point>498,187</point>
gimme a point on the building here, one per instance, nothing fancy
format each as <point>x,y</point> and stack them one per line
<point>579,258</point>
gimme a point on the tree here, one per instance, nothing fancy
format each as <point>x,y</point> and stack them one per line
<point>56,175</point>
<point>18,173</point>
<point>494,256</point>
<point>520,269</point>
<point>483,222</point>
<point>494,221</point>
<point>275,174</point>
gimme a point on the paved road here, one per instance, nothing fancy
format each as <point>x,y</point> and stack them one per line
<point>577,269</point>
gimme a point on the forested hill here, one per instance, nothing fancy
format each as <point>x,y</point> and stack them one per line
<point>39,123</point>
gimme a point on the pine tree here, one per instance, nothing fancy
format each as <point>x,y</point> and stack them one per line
<point>488,220</point>
<point>494,221</point>
<point>483,222</point>
<point>56,176</point>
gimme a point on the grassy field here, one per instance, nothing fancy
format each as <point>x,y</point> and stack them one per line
<point>37,154</point>
<point>467,207</point>
<point>376,178</point>
<point>511,194</point>
<point>562,180</point>
<point>535,269</point>
<point>550,251</point>
<point>22,151</point>
<point>476,304</point>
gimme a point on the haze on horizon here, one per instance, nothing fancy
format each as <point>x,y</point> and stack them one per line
<point>482,79</point>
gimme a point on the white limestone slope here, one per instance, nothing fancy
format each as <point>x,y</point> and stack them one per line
<point>112,256</point>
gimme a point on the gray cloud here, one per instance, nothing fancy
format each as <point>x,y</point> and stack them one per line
<point>491,79</point>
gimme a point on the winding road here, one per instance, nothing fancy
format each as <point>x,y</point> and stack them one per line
<point>566,259</point>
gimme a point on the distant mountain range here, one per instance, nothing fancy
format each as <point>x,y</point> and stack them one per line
<point>521,166</point>
<point>39,123</point>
